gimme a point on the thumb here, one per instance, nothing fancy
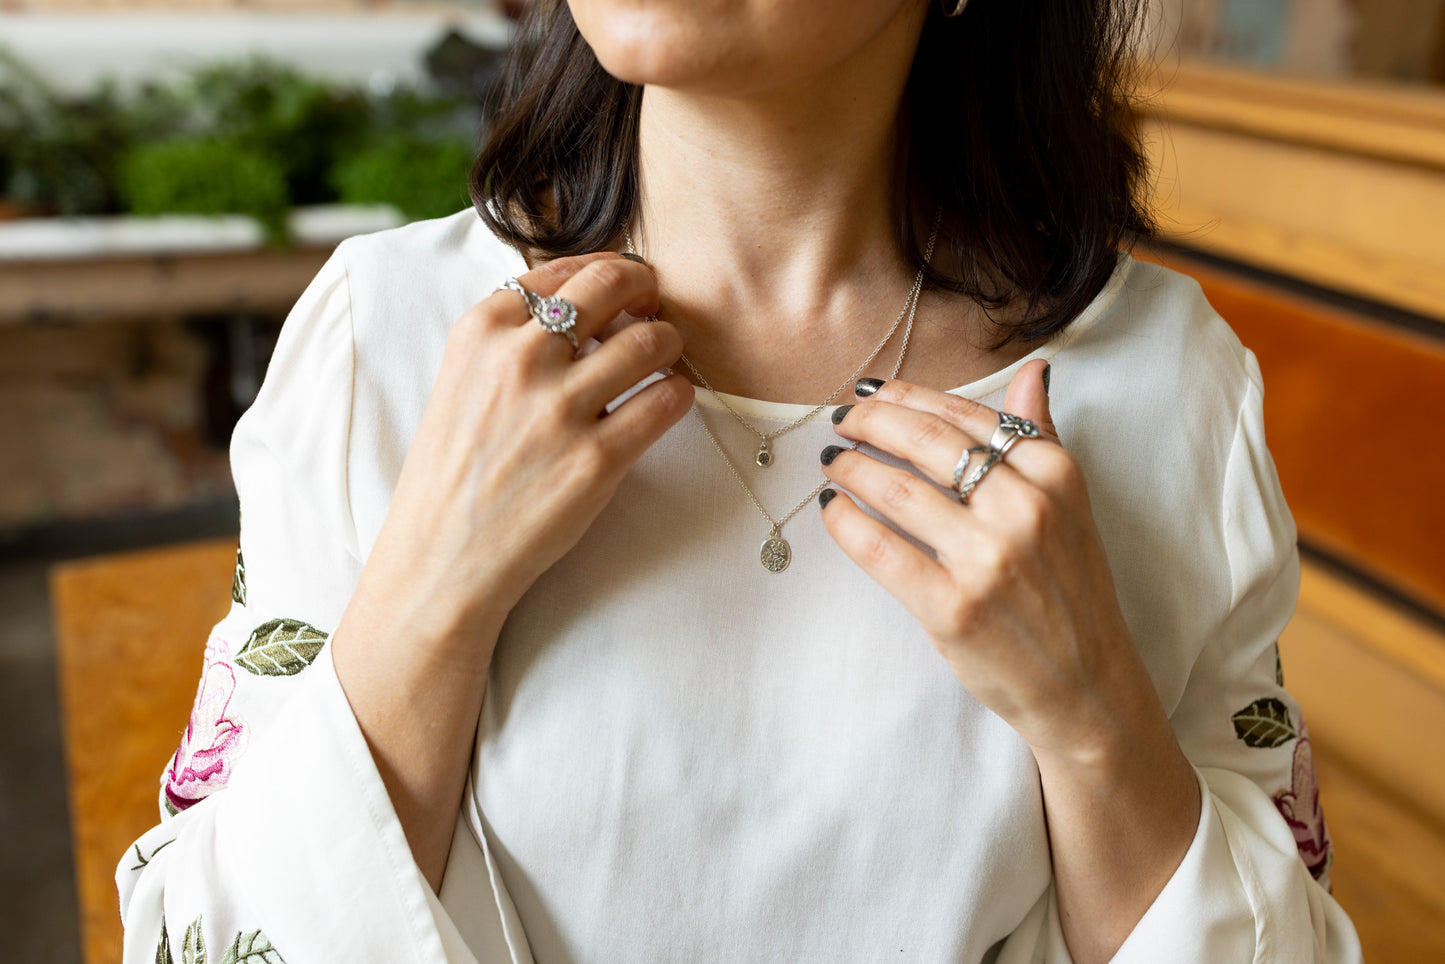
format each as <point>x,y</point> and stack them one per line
<point>1028,397</point>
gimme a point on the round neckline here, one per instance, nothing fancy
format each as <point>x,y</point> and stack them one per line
<point>979,388</point>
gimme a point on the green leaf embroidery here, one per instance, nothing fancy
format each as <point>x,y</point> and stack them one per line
<point>238,581</point>
<point>144,860</point>
<point>193,948</point>
<point>280,647</point>
<point>252,948</point>
<point>163,949</point>
<point>1265,723</point>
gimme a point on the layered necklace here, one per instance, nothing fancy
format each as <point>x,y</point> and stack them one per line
<point>775,553</point>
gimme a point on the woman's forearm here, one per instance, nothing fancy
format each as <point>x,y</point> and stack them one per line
<point>416,692</point>
<point>1120,821</point>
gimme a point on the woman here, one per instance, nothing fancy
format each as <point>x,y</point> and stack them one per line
<point>963,710</point>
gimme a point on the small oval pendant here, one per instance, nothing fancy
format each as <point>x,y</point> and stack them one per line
<point>765,457</point>
<point>775,553</point>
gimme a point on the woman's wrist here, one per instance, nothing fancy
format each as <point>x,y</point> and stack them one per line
<point>1122,807</point>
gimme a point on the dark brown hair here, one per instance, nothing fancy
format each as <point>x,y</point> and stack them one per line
<point>1016,123</point>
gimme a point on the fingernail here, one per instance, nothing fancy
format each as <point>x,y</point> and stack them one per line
<point>867,386</point>
<point>829,454</point>
<point>1048,370</point>
<point>840,412</point>
<point>826,496</point>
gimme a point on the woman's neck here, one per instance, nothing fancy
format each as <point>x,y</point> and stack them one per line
<point>771,217</point>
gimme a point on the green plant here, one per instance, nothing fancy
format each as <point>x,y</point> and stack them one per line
<point>424,178</point>
<point>60,151</point>
<point>206,176</point>
<point>253,137</point>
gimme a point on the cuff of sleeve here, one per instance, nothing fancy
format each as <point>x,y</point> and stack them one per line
<point>308,830</point>
<point>1241,892</point>
<point>1202,914</point>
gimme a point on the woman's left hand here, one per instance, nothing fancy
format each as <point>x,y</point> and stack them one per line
<point>1019,600</point>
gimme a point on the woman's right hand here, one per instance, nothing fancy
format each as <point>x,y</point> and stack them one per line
<point>512,460</point>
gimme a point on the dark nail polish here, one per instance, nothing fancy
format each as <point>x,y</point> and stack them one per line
<point>829,454</point>
<point>826,496</point>
<point>1048,370</point>
<point>840,412</point>
<point>867,386</point>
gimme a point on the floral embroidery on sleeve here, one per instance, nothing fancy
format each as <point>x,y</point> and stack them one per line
<point>1300,807</point>
<point>251,947</point>
<point>238,581</point>
<point>1266,724</point>
<point>203,762</point>
<point>281,647</point>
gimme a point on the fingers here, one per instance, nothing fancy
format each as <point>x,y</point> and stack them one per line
<point>900,567</point>
<point>599,285</point>
<point>910,502</point>
<point>632,427</point>
<point>1025,390</point>
<point>929,441</point>
<point>623,360</point>
<point>1028,397</point>
<point>932,429</point>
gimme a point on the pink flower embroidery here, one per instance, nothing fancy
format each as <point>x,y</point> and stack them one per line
<point>1300,807</point>
<point>212,741</point>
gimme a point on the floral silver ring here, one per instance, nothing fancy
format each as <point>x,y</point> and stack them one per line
<point>557,315</point>
<point>1010,429</point>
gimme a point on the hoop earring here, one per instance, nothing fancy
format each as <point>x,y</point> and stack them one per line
<point>952,8</point>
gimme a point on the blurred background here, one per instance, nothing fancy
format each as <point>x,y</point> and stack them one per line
<point>172,175</point>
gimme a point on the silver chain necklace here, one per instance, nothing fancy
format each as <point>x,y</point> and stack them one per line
<point>775,553</point>
<point>765,456</point>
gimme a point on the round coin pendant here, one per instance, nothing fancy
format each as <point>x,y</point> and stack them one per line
<point>775,553</point>
<point>765,457</point>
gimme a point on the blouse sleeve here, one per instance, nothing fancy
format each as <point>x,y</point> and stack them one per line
<point>277,840</point>
<point>1254,884</point>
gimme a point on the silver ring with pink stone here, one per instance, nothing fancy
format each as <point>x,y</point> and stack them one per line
<point>557,315</point>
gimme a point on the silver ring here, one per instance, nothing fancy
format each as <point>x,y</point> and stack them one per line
<point>965,490</point>
<point>962,465</point>
<point>1010,429</point>
<point>557,315</point>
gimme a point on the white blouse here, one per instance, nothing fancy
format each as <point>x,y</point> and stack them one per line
<point>683,757</point>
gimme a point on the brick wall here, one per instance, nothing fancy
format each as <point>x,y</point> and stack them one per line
<point>107,418</point>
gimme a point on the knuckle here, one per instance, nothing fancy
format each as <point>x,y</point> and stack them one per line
<point>590,458</point>
<point>478,318</point>
<point>647,339</point>
<point>900,490</point>
<point>961,409</point>
<point>902,393</point>
<point>556,270</point>
<point>1067,474</point>
<point>606,274</point>
<point>989,561</point>
<point>929,430</point>
<point>1034,512</point>
<point>961,614</point>
<point>872,550</point>
<point>665,400</point>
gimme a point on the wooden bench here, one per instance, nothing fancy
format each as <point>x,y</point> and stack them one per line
<point>130,636</point>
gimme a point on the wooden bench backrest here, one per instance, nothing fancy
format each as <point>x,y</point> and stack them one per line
<point>1355,416</point>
